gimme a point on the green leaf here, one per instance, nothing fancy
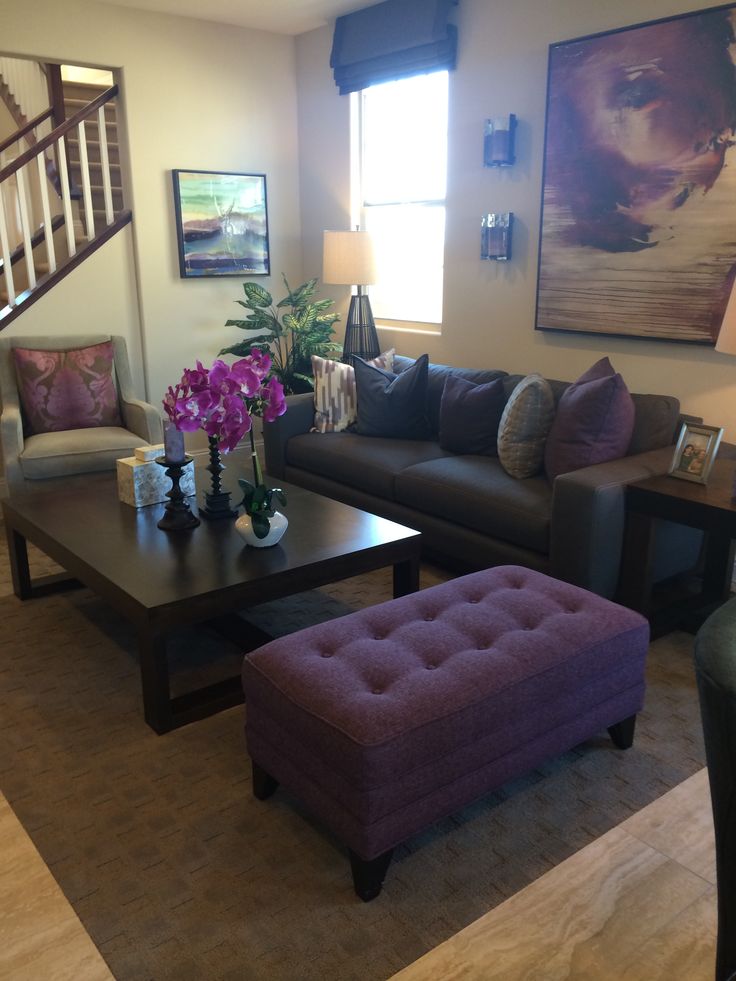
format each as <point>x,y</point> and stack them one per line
<point>257,295</point>
<point>261,525</point>
<point>248,492</point>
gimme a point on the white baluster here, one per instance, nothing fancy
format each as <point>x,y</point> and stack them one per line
<point>5,250</point>
<point>105,165</point>
<point>48,231</point>
<point>25,227</point>
<point>86,186</point>
<point>66,199</point>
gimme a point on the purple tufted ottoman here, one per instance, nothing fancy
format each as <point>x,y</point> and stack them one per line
<point>386,720</point>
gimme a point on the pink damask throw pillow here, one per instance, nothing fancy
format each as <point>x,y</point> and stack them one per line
<point>67,389</point>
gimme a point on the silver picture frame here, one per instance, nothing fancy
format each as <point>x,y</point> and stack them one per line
<point>697,446</point>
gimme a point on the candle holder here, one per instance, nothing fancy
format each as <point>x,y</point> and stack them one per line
<point>498,141</point>
<point>177,516</point>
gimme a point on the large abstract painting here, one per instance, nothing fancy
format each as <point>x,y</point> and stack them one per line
<point>221,223</point>
<point>638,230</point>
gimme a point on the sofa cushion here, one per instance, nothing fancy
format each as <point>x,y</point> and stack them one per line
<point>392,405</point>
<point>593,422</point>
<point>367,464</point>
<point>475,491</point>
<point>70,389</point>
<point>335,400</point>
<point>524,427</point>
<point>75,451</point>
<point>656,419</point>
<point>437,375</point>
<point>469,416</point>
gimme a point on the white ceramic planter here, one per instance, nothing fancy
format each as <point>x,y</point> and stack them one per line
<point>244,527</point>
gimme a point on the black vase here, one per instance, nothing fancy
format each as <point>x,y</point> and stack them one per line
<point>216,501</point>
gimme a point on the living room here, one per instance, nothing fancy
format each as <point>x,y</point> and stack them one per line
<point>210,95</point>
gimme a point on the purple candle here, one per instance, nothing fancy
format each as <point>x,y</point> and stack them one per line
<point>173,444</point>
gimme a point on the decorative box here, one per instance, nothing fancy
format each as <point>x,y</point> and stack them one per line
<point>141,483</point>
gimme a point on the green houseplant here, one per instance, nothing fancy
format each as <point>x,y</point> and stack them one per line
<point>291,330</point>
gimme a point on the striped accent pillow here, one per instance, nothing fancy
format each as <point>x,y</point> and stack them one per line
<point>335,400</point>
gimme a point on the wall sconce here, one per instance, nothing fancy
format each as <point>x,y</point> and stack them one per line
<point>495,236</point>
<point>498,141</point>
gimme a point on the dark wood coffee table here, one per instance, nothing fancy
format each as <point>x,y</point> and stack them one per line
<point>159,580</point>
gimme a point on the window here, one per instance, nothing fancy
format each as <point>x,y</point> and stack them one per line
<point>402,129</point>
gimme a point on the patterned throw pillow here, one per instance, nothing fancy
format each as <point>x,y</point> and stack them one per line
<point>525,424</point>
<point>335,401</point>
<point>62,390</point>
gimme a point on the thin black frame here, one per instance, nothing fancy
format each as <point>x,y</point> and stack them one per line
<point>576,40</point>
<point>186,273</point>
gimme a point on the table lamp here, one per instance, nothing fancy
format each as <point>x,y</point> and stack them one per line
<point>348,261</point>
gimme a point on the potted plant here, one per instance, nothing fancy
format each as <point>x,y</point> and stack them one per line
<point>222,400</point>
<point>292,330</point>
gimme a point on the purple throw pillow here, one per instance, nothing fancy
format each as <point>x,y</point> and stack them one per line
<point>62,390</point>
<point>593,424</point>
<point>469,416</point>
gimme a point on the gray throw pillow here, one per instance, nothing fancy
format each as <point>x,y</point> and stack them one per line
<point>524,427</point>
<point>392,405</point>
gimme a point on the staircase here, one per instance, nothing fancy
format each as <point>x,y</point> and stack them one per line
<point>78,95</point>
<point>61,194</point>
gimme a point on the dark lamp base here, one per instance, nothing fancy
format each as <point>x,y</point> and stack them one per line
<point>361,338</point>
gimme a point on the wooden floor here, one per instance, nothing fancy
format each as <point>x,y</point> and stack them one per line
<point>41,938</point>
<point>637,904</point>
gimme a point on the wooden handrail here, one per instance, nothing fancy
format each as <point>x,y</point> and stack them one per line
<point>60,131</point>
<point>20,133</point>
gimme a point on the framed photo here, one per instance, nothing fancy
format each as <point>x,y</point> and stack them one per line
<point>695,452</point>
<point>639,185</point>
<point>221,223</point>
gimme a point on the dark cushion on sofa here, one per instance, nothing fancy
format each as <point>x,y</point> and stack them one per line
<point>459,489</point>
<point>436,378</point>
<point>368,464</point>
<point>655,422</point>
<point>593,423</point>
<point>392,405</point>
<point>469,416</point>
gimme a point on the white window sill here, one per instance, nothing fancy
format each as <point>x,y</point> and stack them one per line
<point>408,327</point>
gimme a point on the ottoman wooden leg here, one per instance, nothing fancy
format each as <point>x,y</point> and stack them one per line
<point>368,874</point>
<point>263,783</point>
<point>622,733</point>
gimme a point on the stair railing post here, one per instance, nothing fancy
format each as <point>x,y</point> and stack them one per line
<point>89,217</point>
<point>105,164</point>
<point>25,225</point>
<point>5,250</point>
<point>48,231</point>
<point>66,198</point>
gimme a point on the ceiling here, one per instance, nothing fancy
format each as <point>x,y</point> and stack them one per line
<point>279,16</point>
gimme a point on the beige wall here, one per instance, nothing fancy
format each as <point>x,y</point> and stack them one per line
<point>489,308</point>
<point>196,95</point>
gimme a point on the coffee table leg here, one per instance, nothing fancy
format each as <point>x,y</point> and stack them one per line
<point>18,555</point>
<point>406,577</point>
<point>155,681</point>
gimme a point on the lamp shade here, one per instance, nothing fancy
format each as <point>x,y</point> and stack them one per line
<point>726,341</point>
<point>348,259</point>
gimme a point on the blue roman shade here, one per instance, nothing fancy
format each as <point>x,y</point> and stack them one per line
<point>394,39</point>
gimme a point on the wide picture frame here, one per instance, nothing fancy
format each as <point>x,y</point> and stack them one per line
<point>221,223</point>
<point>695,452</point>
<point>639,183</point>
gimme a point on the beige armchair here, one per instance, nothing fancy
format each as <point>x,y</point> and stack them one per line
<point>27,459</point>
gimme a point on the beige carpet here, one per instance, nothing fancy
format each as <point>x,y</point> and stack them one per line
<point>178,872</point>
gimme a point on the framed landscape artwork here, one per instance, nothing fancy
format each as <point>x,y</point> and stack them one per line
<point>221,223</point>
<point>638,231</point>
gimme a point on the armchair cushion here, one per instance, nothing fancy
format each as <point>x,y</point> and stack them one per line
<point>75,451</point>
<point>67,390</point>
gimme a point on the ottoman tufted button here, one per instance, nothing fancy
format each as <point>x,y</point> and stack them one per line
<point>326,654</point>
<point>377,691</point>
<point>429,618</point>
<point>430,667</point>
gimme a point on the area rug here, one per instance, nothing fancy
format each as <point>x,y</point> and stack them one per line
<point>177,872</point>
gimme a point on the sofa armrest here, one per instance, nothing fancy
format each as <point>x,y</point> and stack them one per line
<point>11,436</point>
<point>298,419</point>
<point>588,518</point>
<point>143,419</point>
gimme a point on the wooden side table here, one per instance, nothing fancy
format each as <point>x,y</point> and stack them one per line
<point>708,507</point>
